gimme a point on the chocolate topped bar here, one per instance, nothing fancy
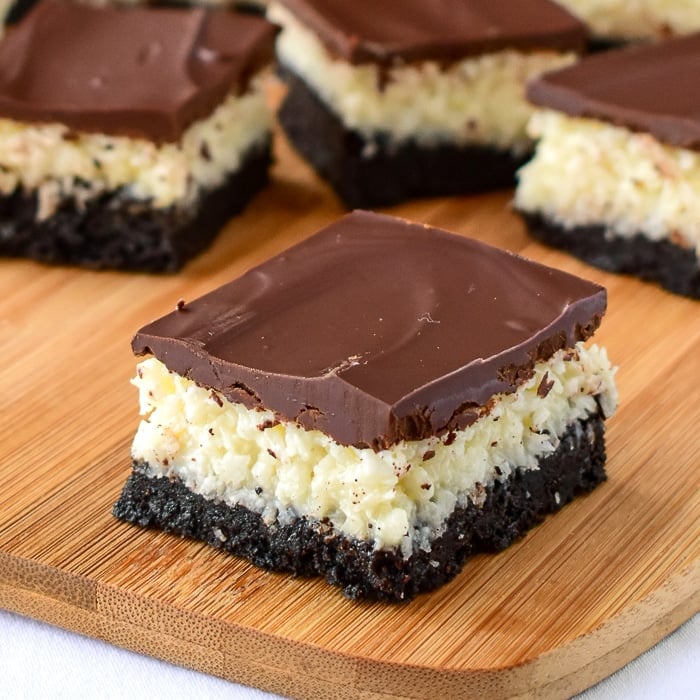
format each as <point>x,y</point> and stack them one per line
<point>372,406</point>
<point>627,123</point>
<point>397,100</point>
<point>377,330</point>
<point>129,136</point>
<point>147,74</point>
<point>650,88</point>
<point>397,31</point>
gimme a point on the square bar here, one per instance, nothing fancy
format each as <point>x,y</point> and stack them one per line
<point>372,406</point>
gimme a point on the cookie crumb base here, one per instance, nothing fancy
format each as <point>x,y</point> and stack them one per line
<point>366,175</point>
<point>308,547</point>
<point>674,267</point>
<point>114,232</point>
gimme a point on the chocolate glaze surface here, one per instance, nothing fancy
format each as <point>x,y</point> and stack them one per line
<point>646,88</point>
<point>140,72</point>
<point>395,31</point>
<point>377,330</point>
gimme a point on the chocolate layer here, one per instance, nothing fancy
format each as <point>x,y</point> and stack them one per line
<point>138,72</point>
<point>309,548</point>
<point>649,88</point>
<point>377,173</point>
<point>396,31</point>
<point>377,330</point>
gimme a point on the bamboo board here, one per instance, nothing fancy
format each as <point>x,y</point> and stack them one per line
<point>580,596</point>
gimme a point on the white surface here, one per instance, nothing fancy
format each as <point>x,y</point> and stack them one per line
<point>40,661</point>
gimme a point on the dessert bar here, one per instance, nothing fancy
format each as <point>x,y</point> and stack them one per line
<point>616,175</point>
<point>415,98</point>
<point>372,406</point>
<point>130,145</point>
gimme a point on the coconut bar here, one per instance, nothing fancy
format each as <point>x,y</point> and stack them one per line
<point>415,98</point>
<point>132,144</point>
<point>616,176</point>
<point>371,406</point>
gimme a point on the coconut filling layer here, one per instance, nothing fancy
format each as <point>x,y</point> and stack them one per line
<point>5,7</point>
<point>587,172</point>
<point>479,100</point>
<point>59,163</point>
<point>636,19</point>
<point>399,497</point>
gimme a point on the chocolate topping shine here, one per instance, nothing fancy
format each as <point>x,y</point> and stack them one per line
<point>139,72</point>
<point>650,89</point>
<point>396,31</point>
<point>376,329</point>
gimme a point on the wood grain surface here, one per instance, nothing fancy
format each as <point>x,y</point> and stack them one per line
<point>581,595</point>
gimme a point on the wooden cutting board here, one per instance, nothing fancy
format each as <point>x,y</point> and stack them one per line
<point>580,596</point>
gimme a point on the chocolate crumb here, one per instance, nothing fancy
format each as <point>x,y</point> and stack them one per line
<point>451,437</point>
<point>215,397</point>
<point>268,424</point>
<point>429,454</point>
<point>425,486</point>
<point>258,490</point>
<point>545,386</point>
<point>180,306</point>
<point>271,453</point>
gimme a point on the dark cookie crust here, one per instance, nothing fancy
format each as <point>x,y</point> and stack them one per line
<point>390,174</point>
<point>673,267</point>
<point>599,44</point>
<point>113,231</point>
<point>249,6</point>
<point>309,548</point>
<point>18,9</point>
